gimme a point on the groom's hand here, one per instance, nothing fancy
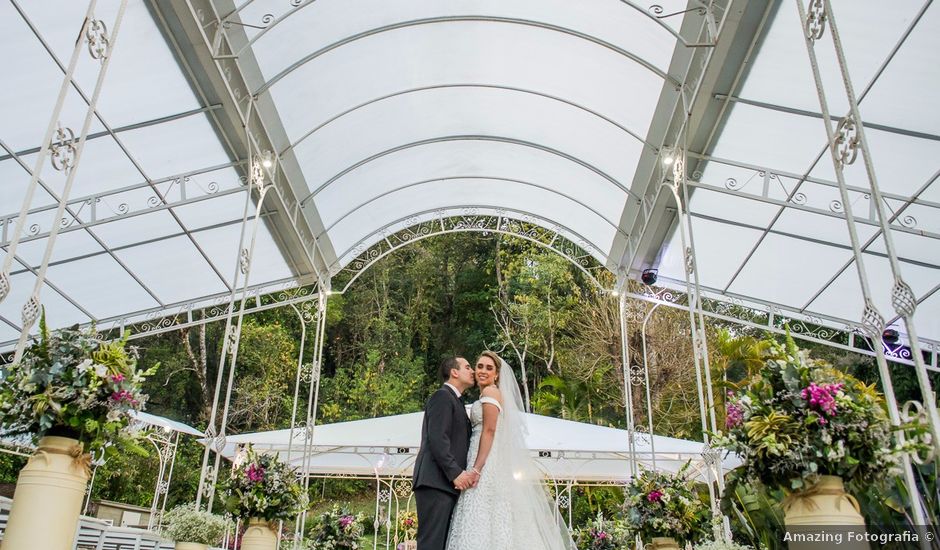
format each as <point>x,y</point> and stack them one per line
<point>463,481</point>
<point>474,478</point>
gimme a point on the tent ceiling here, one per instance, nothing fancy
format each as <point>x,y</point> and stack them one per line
<point>388,114</point>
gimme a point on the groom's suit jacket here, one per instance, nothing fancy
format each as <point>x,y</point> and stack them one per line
<point>445,439</point>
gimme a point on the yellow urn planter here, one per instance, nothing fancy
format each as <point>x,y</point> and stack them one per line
<point>48,499</point>
<point>663,543</point>
<point>825,503</point>
<point>258,536</point>
<point>191,546</point>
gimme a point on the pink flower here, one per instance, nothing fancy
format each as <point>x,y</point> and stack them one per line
<point>345,521</point>
<point>117,378</point>
<point>255,473</point>
<point>734,416</point>
<point>654,496</point>
<point>822,398</point>
<point>123,396</point>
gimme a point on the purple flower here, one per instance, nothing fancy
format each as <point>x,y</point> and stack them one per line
<point>255,473</point>
<point>654,496</point>
<point>734,416</point>
<point>822,398</point>
<point>117,378</point>
<point>345,521</point>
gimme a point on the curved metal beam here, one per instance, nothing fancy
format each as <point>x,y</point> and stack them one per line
<point>464,19</point>
<point>468,85</point>
<point>494,178</point>
<point>372,261</point>
<point>300,4</point>
<point>443,139</point>
<point>538,220</point>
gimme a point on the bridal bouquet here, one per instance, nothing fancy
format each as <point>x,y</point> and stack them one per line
<point>797,419</point>
<point>338,529</point>
<point>603,534</point>
<point>262,487</point>
<point>660,504</point>
<point>70,383</point>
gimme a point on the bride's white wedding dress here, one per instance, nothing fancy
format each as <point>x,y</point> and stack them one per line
<point>509,509</point>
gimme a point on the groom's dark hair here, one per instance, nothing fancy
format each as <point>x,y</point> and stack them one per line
<point>447,365</point>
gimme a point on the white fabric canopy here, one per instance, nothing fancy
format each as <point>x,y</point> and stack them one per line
<point>387,446</point>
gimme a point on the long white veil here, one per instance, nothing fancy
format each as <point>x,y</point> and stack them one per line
<point>536,524</point>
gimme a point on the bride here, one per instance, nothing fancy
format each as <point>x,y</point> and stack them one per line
<point>509,507</point>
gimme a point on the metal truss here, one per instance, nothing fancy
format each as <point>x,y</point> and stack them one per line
<point>523,225</point>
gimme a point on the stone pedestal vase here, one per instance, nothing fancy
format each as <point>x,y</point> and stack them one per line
<point>191,546</point>
<point>825,503</point>
<point>663,543</point>
<point>49,495</point>
<point>258,536</point>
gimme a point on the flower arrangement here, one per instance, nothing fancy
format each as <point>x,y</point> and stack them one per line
<point>797,419</point>
<point>408,525</point>
<point>337,528</point>
<point>660,504</point>
<point>71,383</point>
<point>187,524</point>
<point>261,486</point>
<point>603,534</point>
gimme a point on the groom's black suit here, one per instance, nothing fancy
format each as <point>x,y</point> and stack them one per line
<point>445,439</point>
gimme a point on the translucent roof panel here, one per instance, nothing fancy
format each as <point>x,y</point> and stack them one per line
<point>772,154</point>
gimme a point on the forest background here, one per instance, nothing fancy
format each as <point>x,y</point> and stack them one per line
<point>453,294</point>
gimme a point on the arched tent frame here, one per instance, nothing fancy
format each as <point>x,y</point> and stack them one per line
<point>283,150</point>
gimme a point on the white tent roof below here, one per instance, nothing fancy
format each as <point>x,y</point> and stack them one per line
<point>387,447</point>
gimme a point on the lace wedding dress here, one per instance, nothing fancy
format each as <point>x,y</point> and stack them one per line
<point>509,509</point>
<point>482,517</point>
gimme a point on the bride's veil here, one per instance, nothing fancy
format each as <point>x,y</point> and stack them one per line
<point>535,522</point>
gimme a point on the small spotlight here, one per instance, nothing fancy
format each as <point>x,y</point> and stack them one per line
<point>615,293</point>
<point>668,160</point>
<point>890,336</point>
<point>267,159</point>
<point>649,277</point>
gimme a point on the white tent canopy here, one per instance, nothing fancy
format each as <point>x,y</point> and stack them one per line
<point>387,447</point>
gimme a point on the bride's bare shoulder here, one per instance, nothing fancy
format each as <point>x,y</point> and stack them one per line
<point>492,391</point>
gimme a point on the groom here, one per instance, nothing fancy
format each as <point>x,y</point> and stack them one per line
<point>439,473</point>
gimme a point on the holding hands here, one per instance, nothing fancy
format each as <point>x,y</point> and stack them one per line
<point>466,480</point>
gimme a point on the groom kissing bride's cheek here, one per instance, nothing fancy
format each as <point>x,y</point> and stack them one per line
<point>476,485</point>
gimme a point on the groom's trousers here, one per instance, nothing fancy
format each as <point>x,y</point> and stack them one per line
<point>434,511</point>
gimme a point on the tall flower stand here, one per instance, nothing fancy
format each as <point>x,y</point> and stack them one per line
<point>48,498</point>
<point>258,536</point>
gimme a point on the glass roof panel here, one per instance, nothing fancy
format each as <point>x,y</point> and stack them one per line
<point>731,207</point>
<point>101,286</point>
<point>481,193</point>
<point>718,255</point>
<point>788,271</point>
<point>223,209</point>
<point>822,228</point>
<point>439,114</point>
<point>328,21</point>
<point>103,166</point>
<point>68,245</point>
<point>175,147</point>
<point>475,53</point>
<point>13,183</point>
<point>59,311</point>
<point>137,229</point>
<point>221,245</point>
<point>927,317</point>
<point>173,269</point>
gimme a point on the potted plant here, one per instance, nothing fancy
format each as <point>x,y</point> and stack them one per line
<point>193,529</point>
<point>262,491</point>
<point>337,528</point>
<point>808,429</point>
<point>603,534</point>
<point>664,509</point>
<point>75,394</point>
<point>408,526</point>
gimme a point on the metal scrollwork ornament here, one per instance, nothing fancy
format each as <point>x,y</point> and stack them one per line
<point>62,150</point>
<point>816,20</point>
<point>31,311</point>
<point>636,375</point>
<point>403,488</point>
<point>98,42</point>
<point>873,323</point>
<point>903,299</point>
<point>4,285</point>
<point>244,261</point>
<point>847,141</point>
<point>689,260</point>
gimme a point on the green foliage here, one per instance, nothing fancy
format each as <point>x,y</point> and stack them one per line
<point>796,419</point>
<point>603,534</point>
<point>261,486</point>
<point>70,380</point>
<point>660,504</point>
<point>378,387</point>
<point>187,524</point>
<point>337,529</point>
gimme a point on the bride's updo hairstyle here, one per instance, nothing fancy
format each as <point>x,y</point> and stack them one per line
<point>497,362</point>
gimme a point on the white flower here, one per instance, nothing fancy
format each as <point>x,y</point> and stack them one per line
<point>101,370</point>
<point>114,415</point>
<point>84,365</point>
